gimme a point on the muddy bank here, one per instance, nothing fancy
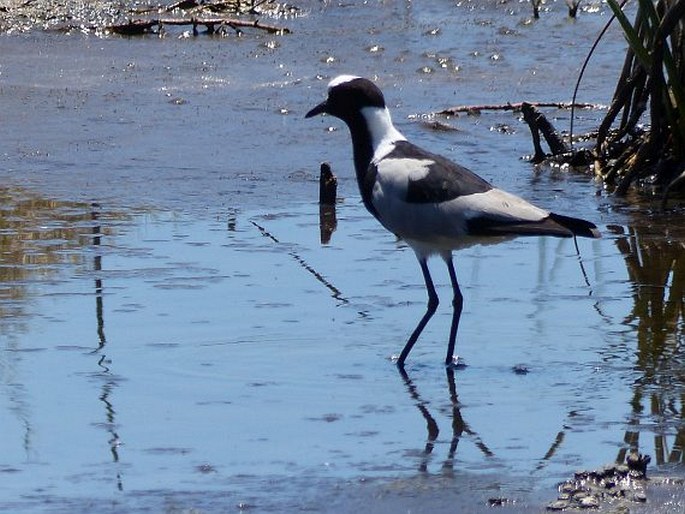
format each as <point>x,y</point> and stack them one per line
<point>128,18</point>
<point>25,15</point>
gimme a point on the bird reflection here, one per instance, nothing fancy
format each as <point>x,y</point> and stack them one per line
<point>459,425</point>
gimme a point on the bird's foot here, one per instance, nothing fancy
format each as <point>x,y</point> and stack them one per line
<point>395,359</point>
<point>456,363</point>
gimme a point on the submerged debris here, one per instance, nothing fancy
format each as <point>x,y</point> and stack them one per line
<point>627,151</point>
<point>560,151</point>
<point>618,482</point>
<point>215,25</point>
<point>539,124</point>
<point>132,18</point>
<point>499,502</point>
<point>512,106</point>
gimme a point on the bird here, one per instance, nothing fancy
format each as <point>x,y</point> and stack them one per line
<point>432,203</point>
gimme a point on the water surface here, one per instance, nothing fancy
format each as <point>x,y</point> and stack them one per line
<point>175,336</point>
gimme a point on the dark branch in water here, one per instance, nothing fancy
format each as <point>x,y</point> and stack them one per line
<point>559,150</point>
<point>539,124</point>
<point>146,26</point>
<point>573,7</point>
<point>536,8</point>
<point>476,109</point>
<point>539,154</point>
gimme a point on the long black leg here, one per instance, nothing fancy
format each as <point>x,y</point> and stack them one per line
<point>457,304</point>
<point>430,310</point>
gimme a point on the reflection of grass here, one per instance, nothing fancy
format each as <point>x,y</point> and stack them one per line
<point>37,235</point>
<point>656,267</point>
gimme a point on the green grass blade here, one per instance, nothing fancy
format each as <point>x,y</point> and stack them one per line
<point>631,35</point>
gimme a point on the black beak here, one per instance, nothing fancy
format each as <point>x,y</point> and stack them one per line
<point>319,109</point>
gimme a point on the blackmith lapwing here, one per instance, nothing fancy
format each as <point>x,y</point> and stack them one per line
<point>432,203</point>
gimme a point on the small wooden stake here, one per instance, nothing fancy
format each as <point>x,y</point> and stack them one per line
<point>328,185</point>
<point>328,192</point>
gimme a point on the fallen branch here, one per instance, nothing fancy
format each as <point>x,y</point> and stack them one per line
<point>144,26</point>
<point>476,109</point>
<point>539,124</point>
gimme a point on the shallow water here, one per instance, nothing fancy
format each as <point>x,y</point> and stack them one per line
<point>175,336</point>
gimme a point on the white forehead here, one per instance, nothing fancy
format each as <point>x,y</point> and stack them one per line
<point>341,79</point>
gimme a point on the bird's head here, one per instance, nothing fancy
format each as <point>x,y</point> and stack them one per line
<point>348,95</point>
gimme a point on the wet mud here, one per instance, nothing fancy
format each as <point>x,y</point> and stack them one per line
<point>104,18</point>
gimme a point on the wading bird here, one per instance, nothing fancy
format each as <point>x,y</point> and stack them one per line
<point>432,203</point>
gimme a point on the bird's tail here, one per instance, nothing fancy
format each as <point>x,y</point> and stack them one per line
<point>578,226</point>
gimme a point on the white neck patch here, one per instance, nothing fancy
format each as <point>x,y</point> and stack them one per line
<point>383,132</point>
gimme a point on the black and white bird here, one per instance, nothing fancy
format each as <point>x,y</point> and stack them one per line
<point>432,203</point>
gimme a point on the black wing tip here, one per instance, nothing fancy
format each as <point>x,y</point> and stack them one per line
<point>554,225</point>
<point>577,226</point>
